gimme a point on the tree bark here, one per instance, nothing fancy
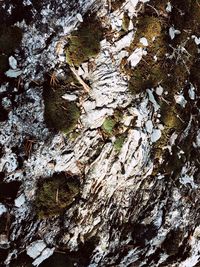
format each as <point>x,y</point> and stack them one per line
<point>99,139</point>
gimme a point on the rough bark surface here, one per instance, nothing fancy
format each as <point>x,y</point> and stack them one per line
<point>99,137</point>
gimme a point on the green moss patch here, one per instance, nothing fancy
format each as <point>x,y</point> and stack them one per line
<point>116,4</point>
<point>109,125</point>
<point>4,66</point>
<point>113,127</point>
<point>10,38</point>
<point>160,5</point>
<point>119,142</point>
<point>84,43</point>
<point>170,117</point>
<point>173,64</point>
<point>60,114</point>
<point>148,27</point>
<point>5,223</point>
<point>148,73</point>
<point>145,76</point>
<point>125,22</point>
<point>55,194</point>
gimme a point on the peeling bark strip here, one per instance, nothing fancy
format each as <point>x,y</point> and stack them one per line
<point>80,80</point>
<point>99,133</point>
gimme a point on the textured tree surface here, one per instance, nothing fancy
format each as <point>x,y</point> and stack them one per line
<point>99,133</point>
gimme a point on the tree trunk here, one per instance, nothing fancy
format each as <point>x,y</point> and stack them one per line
<point>99,137</point>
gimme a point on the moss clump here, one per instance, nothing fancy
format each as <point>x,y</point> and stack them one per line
<point>4,223</point>
<point>171,120</point>
<point>59,114</point>
<point>109,125</point>
<point>194,74</point>
<point>4,66</point>
<point>171,72</point>
<point>148,27</point>
<point>159,5</point>
<point>73,136</point>
<point>84,43</point>
<point>148,73</point>
<point>116,4</point>
<point>145,76</point>
<point>10,38</point>
<point>170,117</point>
<point>119,142</point>
<point>55,194</point>
<point>186,15</point>
<point>125,22</point>
<point>173,64</point>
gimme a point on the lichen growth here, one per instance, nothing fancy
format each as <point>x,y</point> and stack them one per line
<point>55,194</point>
<point>84,43</point>
<point>60,114</point>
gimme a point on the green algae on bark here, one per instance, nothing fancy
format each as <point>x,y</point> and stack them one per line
<point>84,43</point>
<point>55,194</point>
